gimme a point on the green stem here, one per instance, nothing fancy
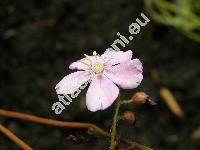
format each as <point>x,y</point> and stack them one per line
<point>126,101</point>
<point>115,119</point>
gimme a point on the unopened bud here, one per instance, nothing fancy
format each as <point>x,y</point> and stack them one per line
<point>151,102</point>
<point>139,98</point>
<point>73,138</point>
<point>129,117</point>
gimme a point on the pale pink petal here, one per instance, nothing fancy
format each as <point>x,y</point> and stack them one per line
<point>119,57</point>
<point>82,64</point>
<point>127,75</point>
<point>70,83</point>
<point>101,94</point>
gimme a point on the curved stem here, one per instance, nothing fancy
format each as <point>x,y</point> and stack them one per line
<point>115,119</point>
<point>51,122</point>
<point>14,138</point>
<point>93,129</point>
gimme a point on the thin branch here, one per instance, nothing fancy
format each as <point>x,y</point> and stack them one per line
<point>93,129</point>
<point>14,138</point>
<point>113,133</point>
<point>51,122</point>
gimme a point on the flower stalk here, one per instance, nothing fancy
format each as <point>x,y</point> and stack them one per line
<point>113,129</point>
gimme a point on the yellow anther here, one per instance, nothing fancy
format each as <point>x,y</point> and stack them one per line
<point>94,53</point>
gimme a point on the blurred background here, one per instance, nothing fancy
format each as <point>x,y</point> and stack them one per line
<point>40,38</point>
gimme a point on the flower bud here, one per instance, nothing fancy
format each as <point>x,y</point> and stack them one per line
<point>129,117</point>
<point>151,102</point>
<point>74,139</point>
<point>139,98</point>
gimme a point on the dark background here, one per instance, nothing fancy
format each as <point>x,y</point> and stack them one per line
<point>40,38</point>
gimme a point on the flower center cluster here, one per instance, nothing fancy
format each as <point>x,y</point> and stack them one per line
<point>97,68</point>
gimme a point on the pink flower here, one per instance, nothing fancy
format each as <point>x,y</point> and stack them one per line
<point>105,72</point>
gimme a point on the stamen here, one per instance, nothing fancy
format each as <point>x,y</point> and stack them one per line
<point>107,67</point>
<point>85,63</point>
<point>88,58</point>
<point>94,53</point>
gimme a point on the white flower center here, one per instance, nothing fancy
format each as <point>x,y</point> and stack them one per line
<point>97,68</point>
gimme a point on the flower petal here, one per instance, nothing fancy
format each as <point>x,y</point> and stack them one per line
<point>70,83</point>
<point>127,75</point>
<point>118,57</point>
<point>82,64</point>
<point>101,94</point>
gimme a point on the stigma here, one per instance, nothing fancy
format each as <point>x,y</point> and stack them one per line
<point>97,68</point>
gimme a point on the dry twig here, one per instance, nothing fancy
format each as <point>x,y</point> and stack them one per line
<point>91,128</point>
<point>14,138</point>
